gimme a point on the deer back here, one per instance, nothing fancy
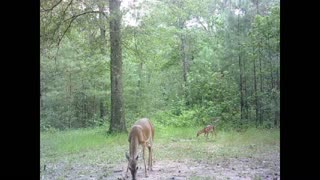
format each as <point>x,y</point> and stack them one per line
<point>143,129</point>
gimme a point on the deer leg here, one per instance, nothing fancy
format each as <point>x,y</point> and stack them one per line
<point>127,170</point>
<point>150,158</point>
<point>127,167</point>
<point>144,160</point>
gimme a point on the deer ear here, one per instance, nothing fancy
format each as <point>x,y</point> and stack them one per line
<point>137,157</point>
<point>137,168</point>
<point>127,156</point>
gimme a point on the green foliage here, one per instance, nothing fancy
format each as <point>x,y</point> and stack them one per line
<point>186,118</point>
<point>75,78</point>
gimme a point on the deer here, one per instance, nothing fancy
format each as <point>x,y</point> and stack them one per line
<point>207,130</point>
<point>141,133</point>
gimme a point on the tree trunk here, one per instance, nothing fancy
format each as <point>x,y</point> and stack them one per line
<point>241,91</point>
<point>41,95</point>
<point>184,57</point>
<point>261,91</point>
<point>185,65</point>
<point>117,123</point>
<point>245,94</point>
<point>255,91</point>
<point>241,72</point>
<point>102,29</point>
<point>70,100</point>
<point>41,101</point>
<point>140,72</point>
<point>261,83</point>
<point>278,79</point>
<point>257,6</point>
<point>94,101</point>
<point>271,74</point>
<point>271,67</point>
<point>102,110</point>
<point>140,80</point>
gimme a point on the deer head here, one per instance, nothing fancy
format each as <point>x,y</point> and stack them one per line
<point>132,165</point>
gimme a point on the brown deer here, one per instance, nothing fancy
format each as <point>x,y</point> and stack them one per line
<point>142,133</point>
<point>207,130</point>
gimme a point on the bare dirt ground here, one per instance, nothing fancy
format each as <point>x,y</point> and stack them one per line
<point>262,166</point>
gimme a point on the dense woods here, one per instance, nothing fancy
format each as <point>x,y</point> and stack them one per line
<point>179,62</point>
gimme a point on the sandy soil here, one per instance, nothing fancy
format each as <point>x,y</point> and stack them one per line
<point>263,166</point>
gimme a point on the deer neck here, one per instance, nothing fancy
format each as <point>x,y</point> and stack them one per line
<point>134,143</point>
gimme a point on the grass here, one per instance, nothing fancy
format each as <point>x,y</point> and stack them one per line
<point>94,146</point>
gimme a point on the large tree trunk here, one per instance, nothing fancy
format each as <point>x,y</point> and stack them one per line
<point>117,123</point>
<point>241,72</point>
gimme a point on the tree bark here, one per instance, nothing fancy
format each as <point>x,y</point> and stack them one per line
<point>255,91</point>
<point>140,80</point>
<point>278,79</point>
<point>241,89</point>
<point>102,110</point>
<point>184,57</point>
<point>140,72</point>
<point>261,89</point>
<point>241,72</point>
<point>117,122</point>
<point>245,93</point>
<point>102,29</point>
<point>185,65</point>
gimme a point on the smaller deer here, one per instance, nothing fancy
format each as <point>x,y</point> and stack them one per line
<point>207,130</point>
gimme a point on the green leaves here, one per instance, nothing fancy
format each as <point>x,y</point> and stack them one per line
<point>75,78</point>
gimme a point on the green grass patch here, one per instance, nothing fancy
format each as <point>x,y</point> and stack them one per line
<point>75,141</point>
<point>170,143</point>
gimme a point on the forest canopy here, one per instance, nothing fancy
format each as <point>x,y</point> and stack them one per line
<point>184,62</point>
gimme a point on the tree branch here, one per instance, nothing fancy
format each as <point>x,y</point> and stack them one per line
<point>73,18</point>
<point>204,27</point>
<point>45,10</point>
<point>60,22</point>
<point>88,12</point>
<point>59,40</point>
